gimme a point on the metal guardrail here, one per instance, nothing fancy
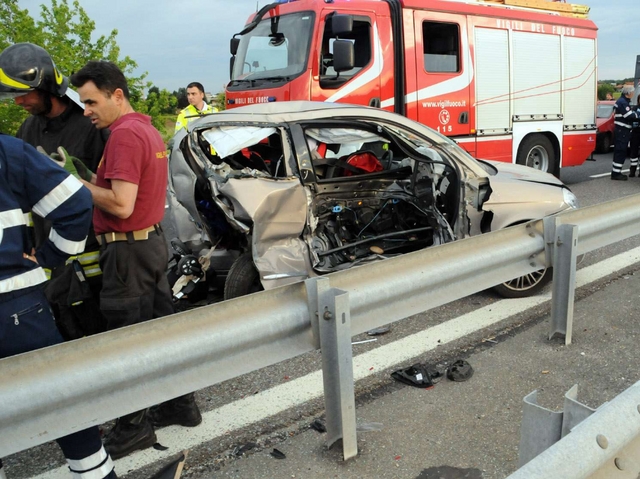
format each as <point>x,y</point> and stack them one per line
<point>54,391</point>
<point>600,444</point>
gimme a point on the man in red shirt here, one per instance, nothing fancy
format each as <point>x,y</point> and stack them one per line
<point>128,191</point>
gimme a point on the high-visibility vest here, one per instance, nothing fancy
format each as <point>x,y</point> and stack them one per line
<point>190,113</point>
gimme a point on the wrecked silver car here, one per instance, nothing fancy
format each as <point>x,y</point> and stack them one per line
<point>266,195</point>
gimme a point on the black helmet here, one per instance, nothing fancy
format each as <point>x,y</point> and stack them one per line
<point>25,67</point>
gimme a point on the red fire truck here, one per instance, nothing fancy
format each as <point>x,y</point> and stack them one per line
<point>509,80</point>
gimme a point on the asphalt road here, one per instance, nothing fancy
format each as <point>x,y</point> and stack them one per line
<point>248,411</point>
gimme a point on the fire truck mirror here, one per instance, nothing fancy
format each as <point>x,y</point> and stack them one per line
<point>341,24</point>
<point>343,55</point>
<point>233,45</point>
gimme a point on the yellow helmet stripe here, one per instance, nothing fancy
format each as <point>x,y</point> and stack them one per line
<point>7,81</point>
<point>59,77</point>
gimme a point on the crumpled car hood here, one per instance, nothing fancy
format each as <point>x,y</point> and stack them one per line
<point>517,188</point>
<point>510,171</point>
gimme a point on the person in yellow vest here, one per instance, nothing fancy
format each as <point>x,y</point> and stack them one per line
<point>197,106</point>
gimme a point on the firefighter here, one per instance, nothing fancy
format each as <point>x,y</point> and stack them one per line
<point>55,120</point>
<point>128,192</point>
<point>197,106</point>
<point>634,145</point>
<point>28,180</point>
<point>624,118</point>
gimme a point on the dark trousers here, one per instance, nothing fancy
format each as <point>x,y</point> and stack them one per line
<point>26,323</point>
<point>134,281</point>
<point>135,287</point>
<point>634,145</point>
<point>620,148</point>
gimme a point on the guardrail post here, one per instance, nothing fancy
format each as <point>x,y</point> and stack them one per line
<point>542,428</point>
<point>564,281</point>
<point>334,329</point>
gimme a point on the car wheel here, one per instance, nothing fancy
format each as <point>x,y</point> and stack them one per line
<point>603,144</point>
<point>536,151</point>
<point>526,285</point>
<point>243,278</point>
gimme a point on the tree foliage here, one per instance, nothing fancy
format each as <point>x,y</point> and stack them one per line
<point>603,89</point>
<point>160,102</point>
<point>181,96</point>
<point>65,31</point>
<point>220,101</point>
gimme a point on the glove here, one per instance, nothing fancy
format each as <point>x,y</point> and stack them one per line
<point>53,156</point>
<point>85,173</point>
<point>62,159</point>
<point>74,165</point>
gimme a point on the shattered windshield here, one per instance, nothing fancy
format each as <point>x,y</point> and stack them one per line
<point>278,47</point>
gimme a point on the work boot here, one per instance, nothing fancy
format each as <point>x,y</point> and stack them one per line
<point>182,411</point>
<point>632,171</point>
<point>618,176</point>
<point>131,432</point>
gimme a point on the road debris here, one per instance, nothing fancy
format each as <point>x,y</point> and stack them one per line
<point>365,341</point>
<point>459,371</point>
<point>379,331</point>
<point>318,425</point>
<point>277,454</point>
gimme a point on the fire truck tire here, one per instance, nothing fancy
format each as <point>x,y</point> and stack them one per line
<point>243,278</point>
<point>525,286</point>
<point>536,151</point>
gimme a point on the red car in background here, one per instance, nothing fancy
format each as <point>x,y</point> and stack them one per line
<point>604,122</point>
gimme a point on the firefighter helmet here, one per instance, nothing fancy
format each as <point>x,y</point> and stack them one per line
<point>25,67</point>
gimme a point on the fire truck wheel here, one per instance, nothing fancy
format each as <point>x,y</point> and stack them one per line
<point>243,278</point>
<point>525,286</point>
<point>536,151</point>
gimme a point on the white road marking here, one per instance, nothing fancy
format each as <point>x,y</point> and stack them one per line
<point>249,410</point>
<point>602,175</point>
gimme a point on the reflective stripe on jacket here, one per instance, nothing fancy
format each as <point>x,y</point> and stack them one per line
<point>190,113</point>
<point>31,181</point>
<point>624,116</point>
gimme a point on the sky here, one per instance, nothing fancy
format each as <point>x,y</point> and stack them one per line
<point>180,42</point>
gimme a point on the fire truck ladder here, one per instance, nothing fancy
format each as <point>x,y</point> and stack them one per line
<point>566,9</point>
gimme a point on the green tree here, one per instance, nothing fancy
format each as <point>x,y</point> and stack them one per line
<point>603,89</point>
<point>181,96</point>
<point>65,31</point>
<point>220,101</point>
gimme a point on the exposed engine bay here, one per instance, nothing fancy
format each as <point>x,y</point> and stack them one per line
<point>353,227</point>
<point>399,207</point>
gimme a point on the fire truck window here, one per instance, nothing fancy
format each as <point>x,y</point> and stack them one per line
<point>361,38</point>
<point>441,47</point>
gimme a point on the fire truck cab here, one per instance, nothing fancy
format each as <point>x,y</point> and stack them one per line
<point>509,80</point>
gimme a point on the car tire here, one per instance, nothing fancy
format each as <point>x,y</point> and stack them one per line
<point>526,285</point>
<point>536,151</point>
<point>603,144</point>
<point>243,278</point>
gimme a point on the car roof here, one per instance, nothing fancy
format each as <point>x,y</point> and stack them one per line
<point>299,111</point>
<point>292,111</point>
<point>295,111</point>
